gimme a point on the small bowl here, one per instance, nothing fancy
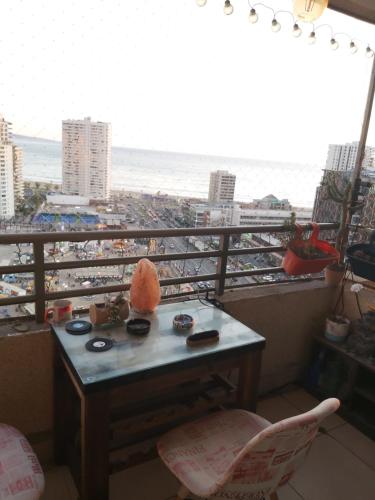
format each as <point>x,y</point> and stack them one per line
<point>183,322</point>
<point>138,326</point>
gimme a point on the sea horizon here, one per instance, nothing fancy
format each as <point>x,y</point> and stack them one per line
<point>152,171</point>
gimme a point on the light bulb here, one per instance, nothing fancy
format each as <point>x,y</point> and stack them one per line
<point>275,26</point>
<point>334,44</point>
<point>228,8</point>
<point>369,52</point>
<point>253,16</point>
<point>353,47</point>
<point>309,10</point>
<point>201,3</point>
<point>312,38</point>
<point>297,32</point>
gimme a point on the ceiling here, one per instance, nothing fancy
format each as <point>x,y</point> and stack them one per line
<point>362,9</point>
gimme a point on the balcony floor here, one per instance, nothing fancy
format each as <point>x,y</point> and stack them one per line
<point>340,465</point>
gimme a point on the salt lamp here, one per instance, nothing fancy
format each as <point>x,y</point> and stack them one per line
<point>145,287</point>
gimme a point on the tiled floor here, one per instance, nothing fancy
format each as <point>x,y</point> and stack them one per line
<point>340,465</point>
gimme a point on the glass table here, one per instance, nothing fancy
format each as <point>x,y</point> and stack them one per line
<point>136,364</point>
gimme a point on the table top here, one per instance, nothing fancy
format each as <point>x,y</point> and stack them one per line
<point>135,357</point>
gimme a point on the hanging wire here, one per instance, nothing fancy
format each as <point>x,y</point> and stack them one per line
<point>297,31</point>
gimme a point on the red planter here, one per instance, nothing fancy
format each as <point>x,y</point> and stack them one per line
<point>294,265</point>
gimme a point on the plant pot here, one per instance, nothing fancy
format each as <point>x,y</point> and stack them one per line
<point>334,275</point>
<point>337,328</point>
<point>101,314</point>
<point>294,264</point>
<point>362,258</point>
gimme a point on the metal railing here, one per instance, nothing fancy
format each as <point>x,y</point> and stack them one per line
<point>40,266</point>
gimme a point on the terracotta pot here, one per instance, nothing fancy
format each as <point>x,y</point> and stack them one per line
<point>337,328</point>
<point>333,276</point>
<point>100,314</point>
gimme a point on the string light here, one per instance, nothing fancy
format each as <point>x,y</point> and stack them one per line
<point>334,44</point>
<point>275,25</point>
<point>312,38</point>
<point>353,47</point>
<point>228,8</point>
<point>253,16</point>
<point>309,10</point>
<point>304,10</point>
<point>297,32</point>
<point>369,52</point>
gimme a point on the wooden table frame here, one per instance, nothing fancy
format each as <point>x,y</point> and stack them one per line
<point>95,409</point>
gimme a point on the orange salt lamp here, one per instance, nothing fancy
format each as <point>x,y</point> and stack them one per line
<point>145,287</point>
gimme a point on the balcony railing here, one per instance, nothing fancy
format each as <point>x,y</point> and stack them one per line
<point>40,266</point>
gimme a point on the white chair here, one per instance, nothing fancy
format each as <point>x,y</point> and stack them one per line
<point>237,455</point>
<point>21,476</point>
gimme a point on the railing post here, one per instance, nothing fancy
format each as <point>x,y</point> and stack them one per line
<point>221,267</point>
<point>39,282</point>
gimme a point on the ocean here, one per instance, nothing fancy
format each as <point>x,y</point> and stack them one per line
<point>181,174</point>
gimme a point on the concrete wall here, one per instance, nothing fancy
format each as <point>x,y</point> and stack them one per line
<point>287,316</point>
<point>26,384</point>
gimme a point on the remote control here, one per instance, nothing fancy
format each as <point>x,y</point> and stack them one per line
<point>197,339</point>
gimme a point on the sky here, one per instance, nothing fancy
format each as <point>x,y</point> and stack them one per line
<point>169,75</point>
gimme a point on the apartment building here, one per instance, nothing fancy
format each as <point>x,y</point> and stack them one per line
<point>222,185</point>
<point>11,164</point>
<point>87,158</point>
<point>342,157</point>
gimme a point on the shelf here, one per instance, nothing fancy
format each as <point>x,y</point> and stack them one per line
<point>366,392</point>
<point>342,349</point>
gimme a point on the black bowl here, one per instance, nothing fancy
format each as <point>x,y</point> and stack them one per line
<point>138,326</point>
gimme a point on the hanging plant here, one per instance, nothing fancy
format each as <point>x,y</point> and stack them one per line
<point>308,256</point>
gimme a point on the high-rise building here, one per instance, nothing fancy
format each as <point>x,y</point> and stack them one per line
<point>87,158</point>
<point>18,183</point>
<point>222,185</point>
<point>342,157</point>
<point>11,162</point>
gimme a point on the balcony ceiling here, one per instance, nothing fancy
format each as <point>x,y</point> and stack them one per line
<point>362,9</point>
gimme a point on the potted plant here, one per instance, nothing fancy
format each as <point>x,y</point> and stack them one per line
<point>362,258</point>
<point>305,256</point>
<point>110,311</point>
<point>335,272</point>
<point>336,328</point>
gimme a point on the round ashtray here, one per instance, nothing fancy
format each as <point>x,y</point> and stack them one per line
<point>138,326</point>
<point>99,344</point>
<point>78,327</point>
<point>183,322</point>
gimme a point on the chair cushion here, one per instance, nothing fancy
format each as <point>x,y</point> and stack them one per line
<point>199,453</point>
<point>21,476</point>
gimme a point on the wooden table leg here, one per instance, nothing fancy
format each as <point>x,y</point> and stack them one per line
<point>95,446</point>
<point>63,410</point>
<point>248,380</point>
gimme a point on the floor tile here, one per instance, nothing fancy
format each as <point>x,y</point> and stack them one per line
<point>331,472</point>
<point>288,493</point>
<point>303,401</point>
<point>151,480</point>
<point>275,409</point>
<point>359,444</point>
<point>59,484</point>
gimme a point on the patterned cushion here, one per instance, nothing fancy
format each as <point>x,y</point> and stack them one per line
<point>21,476</point>
<point>237,455</point>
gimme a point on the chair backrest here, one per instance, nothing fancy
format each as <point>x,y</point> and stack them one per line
<point>272,456</point>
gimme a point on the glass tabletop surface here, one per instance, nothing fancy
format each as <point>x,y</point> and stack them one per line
<point>162,346</point>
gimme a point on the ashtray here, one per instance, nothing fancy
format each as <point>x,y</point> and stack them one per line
<point>78,327</point>
<point>138,326</point>
<point>183,322</point>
